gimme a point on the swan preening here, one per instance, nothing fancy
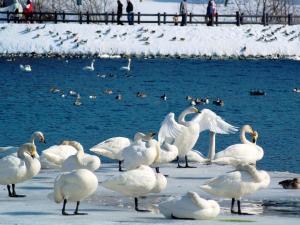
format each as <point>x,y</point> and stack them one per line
<point>74,186</point>
<point>127,68</point>
<point>80,160</point>
<point>189,206</point>
<point>186,133</point>
<point>25,68</point>
<point>16,169</point>
<point>244,181</point>
<point>137,183</point>
<point>246,152</point>
<point>112,148</point>
<point>143,151</point>
<point>91,67</point>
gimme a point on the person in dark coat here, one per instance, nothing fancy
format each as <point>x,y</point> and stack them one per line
<point>210,12</point>
<point>119,12</point>
<point>183,12</point>
<point>129,10</point>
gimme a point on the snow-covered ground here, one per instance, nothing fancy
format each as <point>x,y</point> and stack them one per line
<point>152,40</point>
<point>107,207</point>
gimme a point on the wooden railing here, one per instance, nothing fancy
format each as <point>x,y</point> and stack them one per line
<point>141,18</point>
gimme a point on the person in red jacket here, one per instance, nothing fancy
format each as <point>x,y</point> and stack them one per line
<point>28,11</point>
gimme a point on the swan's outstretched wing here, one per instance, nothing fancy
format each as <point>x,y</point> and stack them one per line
<point>169,129</point>
<point>208,120</point>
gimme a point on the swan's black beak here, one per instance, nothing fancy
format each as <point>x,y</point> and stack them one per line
<point>152,134</point>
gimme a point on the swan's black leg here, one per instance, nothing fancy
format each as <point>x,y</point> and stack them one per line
<point>239,207</point>
<point>232,205</point>
<point>136,207</point>
<point>9,192</point>
<point>14,194</point>
<point>178,218</point>
<point>187,164</point>
<point>63,211</point>
<point>76,210</point>
<point>178,163</point>
<point>157,169</point>
<point>120,166</point>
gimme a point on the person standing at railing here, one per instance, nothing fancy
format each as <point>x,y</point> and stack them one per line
<point>28,11</point>
<point>209,13</point>
<point>129,10</point>
<point>183,12</point>
<point>119,12</point>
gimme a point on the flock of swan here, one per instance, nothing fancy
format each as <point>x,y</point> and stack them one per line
<point>141,159</point>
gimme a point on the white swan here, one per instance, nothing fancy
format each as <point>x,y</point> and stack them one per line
<point>186,133</point>
<point>80,160</point>
<point>196,156</point>
<point>54,156</point>
<point>244,181</point>
<point>112,148</point>
<point>5,151</point>
<point>74,186</point>
<point>189,206</point>
<point>16,169</point>
<point>25,68</point>
<point>128,65</point>
<point>91,67</point>
<point>143,151</point>
<point>136,183</point>
<point>247,152</point>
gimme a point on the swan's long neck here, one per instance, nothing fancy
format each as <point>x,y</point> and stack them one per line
<point>33,136</point>
<point>243,137</point>
<point>129,63</point>
<point>212,146</point>
<point>181,118</point>
<point>92,65</point>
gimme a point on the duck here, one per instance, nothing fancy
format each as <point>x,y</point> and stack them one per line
<point>163,97</point>
<point>218,102</point>
<point>112,148</point>
<point>141,95</point>
<point>25,68</point>
<point>89,68</point>
<point>54,156</point>
<point>245,180</point>
<point>119,97</point>
<point>257,92</point>
<point>186,133</point>
<point>80,160</point>
<point>144,150</point>
<point>137,183</point>
<point>19,168</point>
<point>290,184</point>
<point>246,152</point>
<point>74,186</point>
<point>127,68</point>
<point>297,90</point>
<point>108,91</point>
<point>189,206</point>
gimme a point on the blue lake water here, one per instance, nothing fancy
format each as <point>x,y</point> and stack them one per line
<point>27,104</point>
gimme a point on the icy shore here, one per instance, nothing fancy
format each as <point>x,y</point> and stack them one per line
<point>107,207</point>
<point>248,41</point>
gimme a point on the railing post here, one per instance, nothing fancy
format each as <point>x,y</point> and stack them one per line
<point>242,19</point>
<point>290,19</point>
<point>165,17</point>
<point>64,17</point>
<point>158,18</point>
<point>80,17</point>
<point>267,19</point>
<point>217,19</point>
<point>113,17</point>
<point>191,16</point>
<point>264,19</point>
<point>7,16</point>
<point>40,17</point>
<point>106,18</point>
<point>87,17</point>
<point>55,17</point>
<point>238,19</point>
<point>139,17</point>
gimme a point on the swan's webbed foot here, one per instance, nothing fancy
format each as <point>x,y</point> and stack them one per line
<point>187,164</point>
<point>178,218</point>
<point>17,196</point>
<point>66,214</point>
<point>80,214</point>
<point>120,166</point>
<point>142,210</point>
<point>13,194</point>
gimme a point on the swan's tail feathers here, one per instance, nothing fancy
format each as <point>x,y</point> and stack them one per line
<point>101,151</point>
<point>206,188</point>
<point>58,196</point>
<point>53,158</point>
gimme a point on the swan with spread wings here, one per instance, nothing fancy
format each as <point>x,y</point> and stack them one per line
<point>185,134</point>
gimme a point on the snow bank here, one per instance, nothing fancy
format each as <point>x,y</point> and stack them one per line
<point>107,207</point>
<point>151,40</point>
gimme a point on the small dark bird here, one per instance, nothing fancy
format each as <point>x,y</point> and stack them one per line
<point>173,39</point>
<point>124,34</point>
<point>218,102</point>
<point>160,36</point>
<point>243,49</point>
<point>119,97</point>
<point>257,92</point>
<point>147,43</point>
<point>145,39</point>
<point>163,97</point>
<point>98,31</point>
<point>152,31</point>
<point>114,36</point>
<point>182,39</point>
<point>290,184</point>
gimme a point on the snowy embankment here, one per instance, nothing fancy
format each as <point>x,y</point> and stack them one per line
<point>106,207</point>
<point>151,40</point>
